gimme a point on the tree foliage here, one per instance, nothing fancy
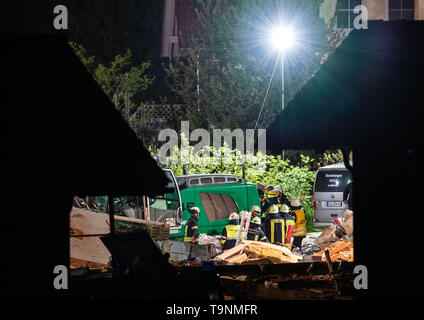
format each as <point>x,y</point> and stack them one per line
<point>123,83</point>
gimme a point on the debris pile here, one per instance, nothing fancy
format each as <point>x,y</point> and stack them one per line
<point>214,243</point>
<point>255,252</point>
<point>337,239</point>
<point>341,250</point>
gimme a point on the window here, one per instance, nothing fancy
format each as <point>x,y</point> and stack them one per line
<point>181,183</point>
<point>194,181</point>
<point>217,206</point>
<point>344,13</point>
<point>206,180</point>
<point>332,180</point>
<point>401,9</point>
<point>232,179</point>
<point>219,179</point>
<point>170,186</point>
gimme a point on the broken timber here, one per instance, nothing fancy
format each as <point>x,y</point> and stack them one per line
<point>258,252</point>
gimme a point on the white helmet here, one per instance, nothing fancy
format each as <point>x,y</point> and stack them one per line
<point>295,202</point>
<point>256,220</point>
<point>274,209</point>
<point>194,209</point>
<point>278,188</point>
<point>256,209</point>
<point>284,208</point>
<point>234,216</point>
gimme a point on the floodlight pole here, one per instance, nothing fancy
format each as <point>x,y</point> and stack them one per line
<point>282,84</point>
<point>282,81</point>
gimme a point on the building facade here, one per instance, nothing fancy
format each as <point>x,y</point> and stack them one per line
<point>387,10</point>
<point>179,25</point>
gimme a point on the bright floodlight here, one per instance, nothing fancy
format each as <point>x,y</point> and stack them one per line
<point>282,38</point>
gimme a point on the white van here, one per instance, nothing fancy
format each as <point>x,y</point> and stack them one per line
<point>329,185</point>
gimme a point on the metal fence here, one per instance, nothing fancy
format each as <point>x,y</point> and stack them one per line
<point>89,251</point>
<point>166,112</point>
<point>106,241</point>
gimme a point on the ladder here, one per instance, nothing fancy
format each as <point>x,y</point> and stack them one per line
<point>244,226</point>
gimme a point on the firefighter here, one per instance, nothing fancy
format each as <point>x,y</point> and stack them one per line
<point>230,232</point>
<point>275,196</point>
<point>280,197</point>
<point>274,226</point>
<point>191,232</point>
<point>288,225</point>
<point>266,204</point>
<point>299,232</point>
<point>255,232</point>
<point>255,211</point>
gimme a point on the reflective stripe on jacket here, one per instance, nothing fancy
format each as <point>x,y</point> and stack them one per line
<point>191,230</point>
<point>275,228</point>
<point>230,233</point>
<point>290,223</point>
<point>279,229</point>
<point>300,226</point>
<point>255,233</point>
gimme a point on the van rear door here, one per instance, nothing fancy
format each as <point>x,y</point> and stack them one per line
<point>328,194</point>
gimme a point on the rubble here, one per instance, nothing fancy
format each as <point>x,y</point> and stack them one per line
<point>330,234</point>
<point>340,248</point>
<point>281,281</point>
<point>255,252</point>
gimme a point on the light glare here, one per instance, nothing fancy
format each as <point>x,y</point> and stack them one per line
<point>282,38</point>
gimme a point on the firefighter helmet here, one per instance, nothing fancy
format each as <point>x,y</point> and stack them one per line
<point>256,209</point>
<point>194,210</point>
<point>256,220</point>
<point>278,188</point>
<point>234,216</point>
<point>295,202</point>
<point>273,209</point>
<point>284,208</point>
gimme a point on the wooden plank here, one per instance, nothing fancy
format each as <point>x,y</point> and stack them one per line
<point>261,250</point>
<point>239,258</point>
<point>140,221</point>
<point>231,252</point>
<point>275,256</point>
<point>331,271</point>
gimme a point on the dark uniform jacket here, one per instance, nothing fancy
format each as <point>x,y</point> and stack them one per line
<point>275,228</point>
<point>230,233</point>
<point>191,229</point>
<point>277,201</point>
<point>256,233</point>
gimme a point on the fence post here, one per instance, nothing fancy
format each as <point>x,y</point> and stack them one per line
<point>112,232</point>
